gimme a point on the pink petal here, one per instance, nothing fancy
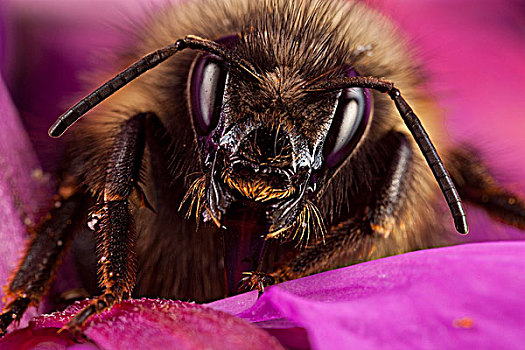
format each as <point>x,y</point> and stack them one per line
<point>468,296</point>
<point>147,324</point>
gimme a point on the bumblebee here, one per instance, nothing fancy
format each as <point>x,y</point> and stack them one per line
<point>249,143</point>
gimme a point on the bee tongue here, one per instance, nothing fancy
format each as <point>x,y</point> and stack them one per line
<point>243,241</point>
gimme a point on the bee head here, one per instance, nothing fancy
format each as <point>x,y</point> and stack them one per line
<point>266,140</point>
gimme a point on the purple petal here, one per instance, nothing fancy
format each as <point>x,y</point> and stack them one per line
<point>468,296</point>
<point>46,338</point>
<point>146,324</point>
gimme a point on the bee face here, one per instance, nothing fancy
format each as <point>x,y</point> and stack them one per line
<point>268,140</point>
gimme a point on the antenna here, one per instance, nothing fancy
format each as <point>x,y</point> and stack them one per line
<point>418,133</point>
<point>141,66</point>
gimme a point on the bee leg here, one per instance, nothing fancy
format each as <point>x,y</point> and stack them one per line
<point>115,238</point>
<point>112,221</point>
<point>13,312</point>
<point>476,184</point>
<point>382,214</point>
<point>43,255</point>
<point>354,240</point>
<point>257,279</point>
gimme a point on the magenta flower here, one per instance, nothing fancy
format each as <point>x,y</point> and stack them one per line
<point>467,296</point>
<point>146,324</point>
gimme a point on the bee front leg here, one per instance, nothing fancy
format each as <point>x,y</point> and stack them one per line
<point>257,279</point>
<point>112,221</point>
<point>354,239</point>
<point>44,253</point>
<point>116,258</point>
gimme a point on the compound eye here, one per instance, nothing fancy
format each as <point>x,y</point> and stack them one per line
<point>207,83</point>
<point>348,124</point>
